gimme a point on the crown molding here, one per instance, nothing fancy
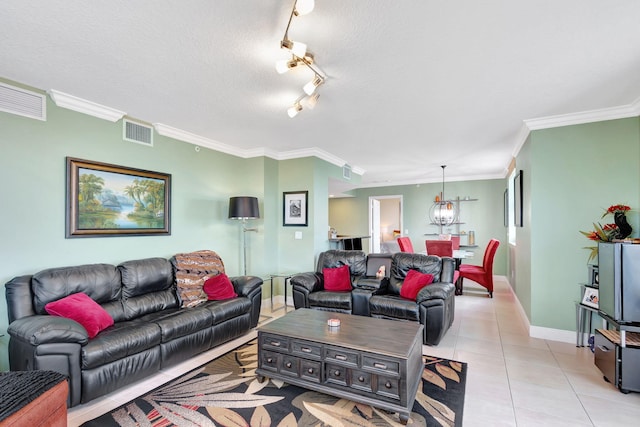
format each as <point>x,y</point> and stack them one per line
<point>191,138</point>
<point>591,116</point>
<point>80,105</point>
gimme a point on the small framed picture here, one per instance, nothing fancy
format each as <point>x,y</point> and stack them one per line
<point>295,208</point>
<point>593,278</point>
<point>590,297</point>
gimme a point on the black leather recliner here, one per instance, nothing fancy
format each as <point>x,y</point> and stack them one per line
<point>434,307</point>
<point>308,288</point>
<point>380,297</point>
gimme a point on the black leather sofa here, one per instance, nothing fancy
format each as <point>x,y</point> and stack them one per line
<point>434,306</point>
<point>151,330</point>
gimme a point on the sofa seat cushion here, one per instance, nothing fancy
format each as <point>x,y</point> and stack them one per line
<point>179,322</point>
<point>228,309</point>
<point>121,340</point>
<point>330,300</point>
<point>394,307</point>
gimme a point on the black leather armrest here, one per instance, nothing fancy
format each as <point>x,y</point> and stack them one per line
<point>373,283</point>
<point>311,282</point>
<point>438,290</point>
<point>42,329</point>
<point>448,269</point>
<point>246,285</point>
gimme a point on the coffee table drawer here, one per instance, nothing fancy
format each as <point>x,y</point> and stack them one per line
<point>306,349</point>
<point>310,370</point>
<point>336,374</point>
<point>381,365</point>
<point>275,342</point>
<point>289,365</point>
<point>336,354</point>
<point>388,387</point>
<point>361,380</point>
<point>269,361</point>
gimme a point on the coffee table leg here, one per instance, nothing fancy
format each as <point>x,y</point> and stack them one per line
<point>404,418</point>
<point>261,378</point>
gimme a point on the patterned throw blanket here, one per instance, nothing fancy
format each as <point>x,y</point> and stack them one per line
<point>192,270</point>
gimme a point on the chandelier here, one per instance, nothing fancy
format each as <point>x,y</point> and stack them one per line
<point>442,212</point>
<point>300,58</point>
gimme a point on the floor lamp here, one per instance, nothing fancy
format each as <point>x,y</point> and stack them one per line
<point>244,208</point>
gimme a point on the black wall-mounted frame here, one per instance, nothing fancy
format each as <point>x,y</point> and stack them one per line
<point>518,199</point>
<point>506,207</point>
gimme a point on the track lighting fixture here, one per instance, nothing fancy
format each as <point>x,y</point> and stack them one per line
<point>300,56</point>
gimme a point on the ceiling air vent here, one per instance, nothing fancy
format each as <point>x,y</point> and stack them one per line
<point>135,132</point>
<point>23,102</point>
<point>346,171</point>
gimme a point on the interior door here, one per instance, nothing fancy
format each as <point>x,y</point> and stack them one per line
<point>375,226</point>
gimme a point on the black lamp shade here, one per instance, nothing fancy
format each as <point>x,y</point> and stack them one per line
<point>243,207</point>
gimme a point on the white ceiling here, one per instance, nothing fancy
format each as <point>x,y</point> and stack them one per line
<point>411,84</point>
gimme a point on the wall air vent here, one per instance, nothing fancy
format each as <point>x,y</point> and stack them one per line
<point>346,171</point>
<point>136,132</point>
<point>23,102</point>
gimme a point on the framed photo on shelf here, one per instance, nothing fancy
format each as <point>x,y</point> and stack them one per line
<point>590,297</point>
<point>295,208</point>
<point>109,200</point>
<point>593,275</point>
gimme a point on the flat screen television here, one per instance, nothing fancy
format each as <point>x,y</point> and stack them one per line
<point>619,281</point>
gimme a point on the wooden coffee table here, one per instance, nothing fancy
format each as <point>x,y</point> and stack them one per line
<point>373,361</point>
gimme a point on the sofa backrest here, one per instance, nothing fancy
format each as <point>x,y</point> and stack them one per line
<point>356,260</point>
<point>147,287</point>
<point>402,262</point>
<point>99,281</point>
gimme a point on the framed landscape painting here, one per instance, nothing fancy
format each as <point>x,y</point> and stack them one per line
<point>109,200</point>
<point>295,208</point>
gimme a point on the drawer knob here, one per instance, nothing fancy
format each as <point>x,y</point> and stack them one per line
<point>288,365</point>
<point>306,349</point>
<point>341,357</point>
<point>387,384</point>
<point>337,373</point>
<point>379,365</point>
<point>269,360</point>
<point>275,343</point>
<point>310,370</point>
<point>361,378</point>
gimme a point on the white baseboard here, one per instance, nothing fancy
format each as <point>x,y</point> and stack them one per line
<point>541,332</point>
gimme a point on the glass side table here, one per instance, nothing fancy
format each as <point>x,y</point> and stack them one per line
<point>287,279</point>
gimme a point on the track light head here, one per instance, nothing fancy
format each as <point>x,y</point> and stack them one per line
<point>311,87</point>
<point>296,48</point>
<point>310,101</point>
<point>302,7</point>
<point>294,109</point>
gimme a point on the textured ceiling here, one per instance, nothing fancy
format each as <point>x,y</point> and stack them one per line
<point>411,84</point>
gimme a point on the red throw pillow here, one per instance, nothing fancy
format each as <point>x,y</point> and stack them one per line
<point>81,308</point>
<point>337,279</point>
<point>413,283</point>
<point>219,287</point>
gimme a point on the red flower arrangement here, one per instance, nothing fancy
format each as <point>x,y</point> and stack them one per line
<point>604,233</point>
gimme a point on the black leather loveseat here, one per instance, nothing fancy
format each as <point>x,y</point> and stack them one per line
<point>151,330</point>
<point>433,307</point>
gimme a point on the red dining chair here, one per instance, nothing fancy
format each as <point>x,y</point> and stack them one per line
<point>405,244</point>
<point>482,275</point>
<point>439,247</point>
<point>456,242</point>
<point>442,248</point>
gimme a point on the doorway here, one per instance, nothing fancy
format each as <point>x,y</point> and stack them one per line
<point>385,220</point>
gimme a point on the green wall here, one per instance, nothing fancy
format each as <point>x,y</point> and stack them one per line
<point>572,174</point>
<point>350,215</point>
<point>32,186</point>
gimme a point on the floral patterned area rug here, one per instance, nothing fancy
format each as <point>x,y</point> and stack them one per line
<point>225,392</point>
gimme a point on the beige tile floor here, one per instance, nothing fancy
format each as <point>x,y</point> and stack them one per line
<point>512,379</point>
